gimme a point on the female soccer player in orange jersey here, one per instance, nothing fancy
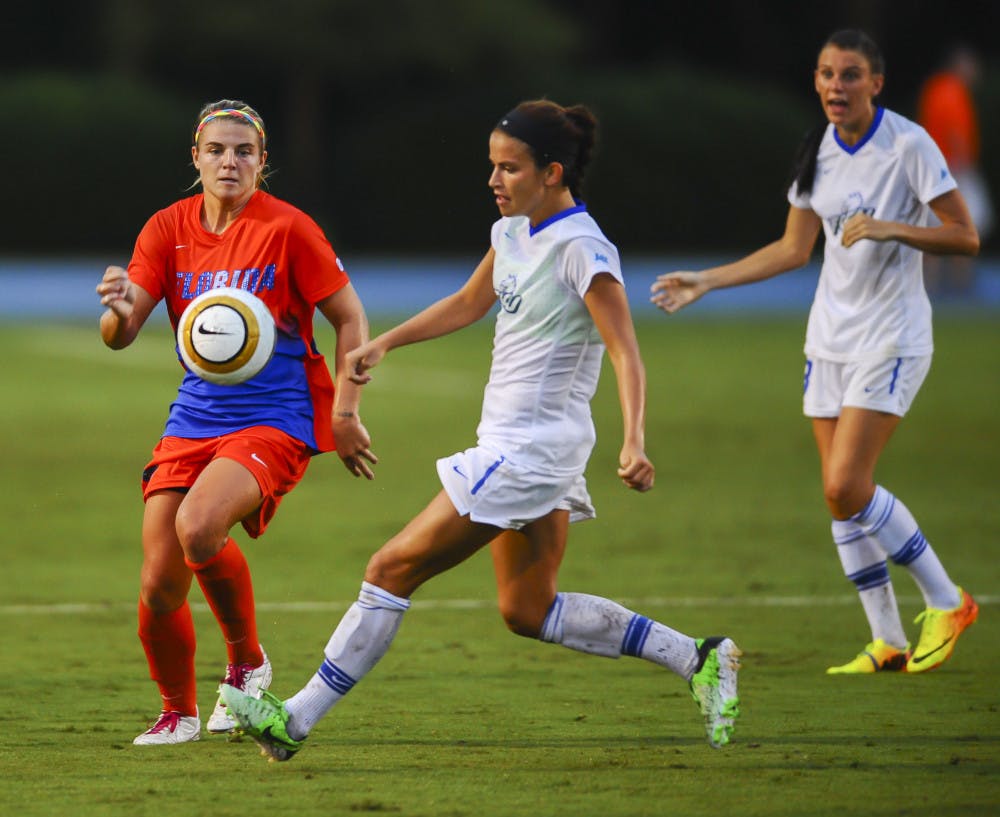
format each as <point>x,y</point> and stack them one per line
<point>229,453</point>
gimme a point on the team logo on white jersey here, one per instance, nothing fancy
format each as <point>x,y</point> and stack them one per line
<point>853,204</point>
<point>510,301</point>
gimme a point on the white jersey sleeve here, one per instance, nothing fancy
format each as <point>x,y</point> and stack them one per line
<point>583,258</point>
<point>926,167</point>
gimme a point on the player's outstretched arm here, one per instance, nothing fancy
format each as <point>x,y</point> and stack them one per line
<point>675,290</point>
<point>451,313</point>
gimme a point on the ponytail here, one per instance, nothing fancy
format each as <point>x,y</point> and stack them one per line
<point>586,124</point>
<point>804,167</point>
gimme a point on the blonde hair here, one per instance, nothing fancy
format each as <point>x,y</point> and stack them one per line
<point>237,111</point>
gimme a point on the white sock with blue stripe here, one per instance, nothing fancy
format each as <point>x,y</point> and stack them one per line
<point>890,523</point>
<point>865,565</point>
<point>359,642</point>
<point>599,626</point>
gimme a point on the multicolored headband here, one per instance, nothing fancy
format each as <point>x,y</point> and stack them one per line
<point>249,117</point>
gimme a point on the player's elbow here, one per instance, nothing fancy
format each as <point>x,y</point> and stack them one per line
<point>962,239</point>
<point>115,340</point>
<point>797,257</point>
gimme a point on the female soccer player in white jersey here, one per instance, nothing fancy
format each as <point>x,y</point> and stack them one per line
<point>561,303</point>
<point>870,179</point>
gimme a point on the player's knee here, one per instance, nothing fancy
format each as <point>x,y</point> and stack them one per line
<point>162,594</point>
<point>198,534</point>
<point>522,620</point>
<point>844,496</point>
<point>394,575</point>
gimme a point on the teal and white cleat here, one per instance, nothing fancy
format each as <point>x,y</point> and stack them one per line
<point>264,719</point>
<point>713,686</point>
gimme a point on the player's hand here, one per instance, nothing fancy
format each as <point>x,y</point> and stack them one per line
<point>635,470</point>
<point>862,225</point>
<point>674,290</point>
<point>354,445</point>
<point>117,291</point>
<point>360,360</point>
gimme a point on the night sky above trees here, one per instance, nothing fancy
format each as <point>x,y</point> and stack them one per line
<point>379,110</point>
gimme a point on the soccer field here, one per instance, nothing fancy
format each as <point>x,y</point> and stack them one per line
<point>462,718</point>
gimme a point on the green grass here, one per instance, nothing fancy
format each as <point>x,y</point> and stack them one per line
<point>462,718</point>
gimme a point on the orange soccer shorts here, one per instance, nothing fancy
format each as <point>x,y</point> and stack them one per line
<point>276,460</point>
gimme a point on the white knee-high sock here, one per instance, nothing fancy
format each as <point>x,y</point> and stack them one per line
<point>359,642</point>
<point>599,626</point>
<point>890,523</point>
<point>865,565</point>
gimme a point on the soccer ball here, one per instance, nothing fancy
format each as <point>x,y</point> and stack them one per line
<point>226,335</point>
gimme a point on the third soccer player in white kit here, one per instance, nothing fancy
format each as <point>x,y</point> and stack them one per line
<point>870,179</point>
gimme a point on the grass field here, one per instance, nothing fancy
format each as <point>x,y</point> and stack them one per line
<point>462,719</point>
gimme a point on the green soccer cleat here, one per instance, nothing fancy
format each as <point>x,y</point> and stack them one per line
<point>876,657</point>
<point>264,719</point>
<point>247,678</point>
<point>939,632</point>
<point>713,686</point>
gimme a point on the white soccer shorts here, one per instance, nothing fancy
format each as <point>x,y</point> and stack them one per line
<point>885,384</point>
<point>489,488</point>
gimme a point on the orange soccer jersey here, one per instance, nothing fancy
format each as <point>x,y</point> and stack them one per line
<point>279,254</point>
<point>947,112</point>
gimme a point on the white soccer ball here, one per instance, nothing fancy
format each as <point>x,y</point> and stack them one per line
<point>226,335</point>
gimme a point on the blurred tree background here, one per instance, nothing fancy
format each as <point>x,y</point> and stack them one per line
<point>378,111</point>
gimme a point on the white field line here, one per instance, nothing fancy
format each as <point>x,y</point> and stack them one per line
<point>477,604</point>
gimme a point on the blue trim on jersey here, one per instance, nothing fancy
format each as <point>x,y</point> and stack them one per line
<point>852,149</point>
<point>572,211</point>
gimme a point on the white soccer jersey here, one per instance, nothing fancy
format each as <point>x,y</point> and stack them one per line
<point>546,350</point>
<point>871,301</point>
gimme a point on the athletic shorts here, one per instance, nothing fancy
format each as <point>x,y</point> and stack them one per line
<point>490,489</point>
<point>887,384</point>
<point>276,460</point>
